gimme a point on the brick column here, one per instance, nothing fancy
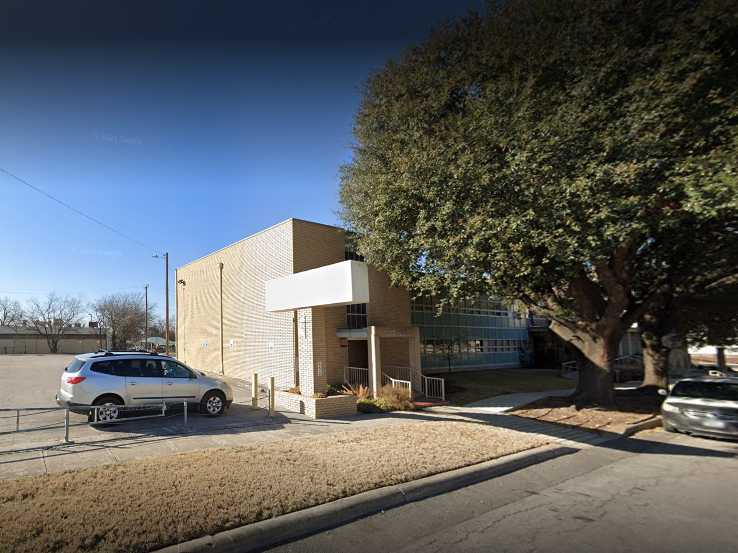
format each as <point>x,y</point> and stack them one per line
<point>375,361</point>
<point>414,357</point>
<point>305,351</point>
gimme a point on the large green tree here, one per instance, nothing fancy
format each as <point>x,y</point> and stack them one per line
<point>557,152</point>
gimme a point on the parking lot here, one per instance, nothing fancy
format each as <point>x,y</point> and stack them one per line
<point>30,380</point>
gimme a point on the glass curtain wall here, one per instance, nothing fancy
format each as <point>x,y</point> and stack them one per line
<point>472,334</point>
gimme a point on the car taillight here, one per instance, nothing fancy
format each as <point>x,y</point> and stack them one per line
<point>75,379</point>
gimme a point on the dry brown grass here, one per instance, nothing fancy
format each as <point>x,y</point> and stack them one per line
<point>561,410</point>
<point>148,504</point>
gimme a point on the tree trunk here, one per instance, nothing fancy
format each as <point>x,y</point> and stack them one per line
<point>595,360</point>
<point>720,358</point>
<point>654,326</point>
<point>655,361</point>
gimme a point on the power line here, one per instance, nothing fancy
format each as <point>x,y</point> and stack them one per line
<point>75,210</point>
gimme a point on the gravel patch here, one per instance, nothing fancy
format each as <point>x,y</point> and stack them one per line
<point>148,504</point>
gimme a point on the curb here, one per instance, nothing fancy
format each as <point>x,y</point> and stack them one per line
<point>291,526</point>
<point>654,422</point>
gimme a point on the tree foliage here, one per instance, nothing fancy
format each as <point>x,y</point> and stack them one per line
<point>571,154</point>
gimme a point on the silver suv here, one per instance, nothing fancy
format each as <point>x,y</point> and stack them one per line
<point>703,406</point>
<point>137,379</point>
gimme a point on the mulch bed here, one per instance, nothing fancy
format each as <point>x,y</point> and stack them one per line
<point>632,406</point>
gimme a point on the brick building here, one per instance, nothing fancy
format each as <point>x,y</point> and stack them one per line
<point>293,302</point>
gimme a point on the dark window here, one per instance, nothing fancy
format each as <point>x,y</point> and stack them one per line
<point>151,368</point>
<point>356,315</point>
<point>74,366</point>
<point>125,367</point>
<point>350,253</point>
<point>725,391</point>
<point>104,367</point>
<point>175,370</point>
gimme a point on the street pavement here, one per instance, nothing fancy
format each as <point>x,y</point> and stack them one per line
<point>656,493</point>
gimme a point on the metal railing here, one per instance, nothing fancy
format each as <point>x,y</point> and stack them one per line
<point>356,376</point>
<point>400,373</point>
<point>94,417</point>
<point>434,387</point>
<point>568,366</point>
<point>398,383</point>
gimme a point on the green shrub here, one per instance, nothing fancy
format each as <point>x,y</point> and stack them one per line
<point>368,406</point>
<point>388,399</point>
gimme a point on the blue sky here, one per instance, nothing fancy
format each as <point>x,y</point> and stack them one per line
<point>185,144</point>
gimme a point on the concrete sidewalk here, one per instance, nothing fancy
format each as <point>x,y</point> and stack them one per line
<point>507,402</point>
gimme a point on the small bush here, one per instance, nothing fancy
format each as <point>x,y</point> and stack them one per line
<point>368,406</point>
<point>388,399</point>
<point>334,390</point>
<point>361,391</point>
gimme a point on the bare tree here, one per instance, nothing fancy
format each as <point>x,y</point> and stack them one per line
<point>124,315</point>
<point>53,316</point>
<point>11,313</point>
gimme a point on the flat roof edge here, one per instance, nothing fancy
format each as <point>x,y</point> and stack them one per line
<point>290,220</point>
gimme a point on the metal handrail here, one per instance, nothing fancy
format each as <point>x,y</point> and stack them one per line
<point>434,387</point>
<point>398,383</point>
<point>355,376</point>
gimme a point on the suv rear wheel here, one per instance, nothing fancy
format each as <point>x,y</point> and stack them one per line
<point>213,403</point>
<point>109,411</point>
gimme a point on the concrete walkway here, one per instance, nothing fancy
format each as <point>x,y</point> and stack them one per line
<point>507,402</point>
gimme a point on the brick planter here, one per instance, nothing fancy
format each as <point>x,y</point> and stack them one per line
<point>329,407</point>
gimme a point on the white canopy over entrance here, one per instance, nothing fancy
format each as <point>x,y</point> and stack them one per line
<point>342,283</point>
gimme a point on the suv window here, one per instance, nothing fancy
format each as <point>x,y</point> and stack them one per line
<point>709,390</point>
<point>125,367</point>
<point>74,366</point>
<point>173,369</point>
<point>104,367</point>
<point>150,368</point>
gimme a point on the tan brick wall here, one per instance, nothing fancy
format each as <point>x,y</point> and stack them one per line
<point>263,342</point>
<point>395,352</point>
<point>389,306</point>
<point>317,245</point>
<point>253,339</point>
<point>316,408</point>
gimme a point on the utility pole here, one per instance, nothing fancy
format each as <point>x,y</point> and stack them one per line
<point>166,301</point>
<point>165,255</point>
<point>146,317</point>
<point>222,365</point>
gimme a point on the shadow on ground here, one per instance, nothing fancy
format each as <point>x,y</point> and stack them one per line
<point>555,431</point>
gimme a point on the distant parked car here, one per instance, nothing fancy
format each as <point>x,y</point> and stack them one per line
<point>118,379</point>
<point>705,406</point>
